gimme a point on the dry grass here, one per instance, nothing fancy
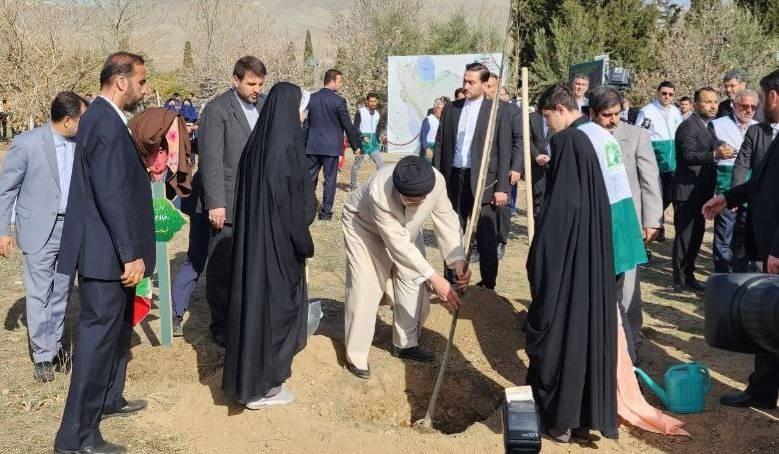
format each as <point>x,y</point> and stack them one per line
<point>335,413</point>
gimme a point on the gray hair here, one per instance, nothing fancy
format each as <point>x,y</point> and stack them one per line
<point>735,74</point>
<point>746,92</point>
<point>437,102</point>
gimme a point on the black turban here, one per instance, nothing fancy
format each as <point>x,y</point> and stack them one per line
<point>413,177</point>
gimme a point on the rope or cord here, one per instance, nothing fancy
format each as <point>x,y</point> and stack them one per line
<point>404,144</point>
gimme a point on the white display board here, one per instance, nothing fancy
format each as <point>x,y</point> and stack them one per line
<point>414,82</point>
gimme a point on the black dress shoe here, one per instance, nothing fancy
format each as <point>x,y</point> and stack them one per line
<point>103,447</point>
<point>359,373</point>
<point>694,285</point>
<point>43,371</point>
<point>132,406</point>
<point>744,400</point>
<point>178,331</point>
<point>481,284</point>
<point>414,354</point>
<point>325,217</point>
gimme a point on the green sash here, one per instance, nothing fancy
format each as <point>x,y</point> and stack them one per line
<point>665,152</point>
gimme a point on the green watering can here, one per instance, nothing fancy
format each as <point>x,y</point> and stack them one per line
<point>686,386</point>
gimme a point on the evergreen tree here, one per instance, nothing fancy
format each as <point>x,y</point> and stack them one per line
<point>765,11</point>
<point>457,36</point>
<point>188,63</point>
<point>308,50</point>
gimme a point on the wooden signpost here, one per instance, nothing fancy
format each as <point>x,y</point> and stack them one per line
<point>167,222</point>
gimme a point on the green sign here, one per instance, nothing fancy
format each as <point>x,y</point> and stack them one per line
<point>167,220</point>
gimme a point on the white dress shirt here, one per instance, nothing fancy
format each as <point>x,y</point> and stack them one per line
<point>117,109</point>
<point>465,129</point>
<point>66,150</point>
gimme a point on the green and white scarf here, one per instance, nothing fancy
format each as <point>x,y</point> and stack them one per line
<point>629,250</point>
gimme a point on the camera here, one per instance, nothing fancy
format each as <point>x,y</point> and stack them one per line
<point>742,312</point>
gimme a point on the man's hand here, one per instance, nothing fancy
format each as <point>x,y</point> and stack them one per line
<point>724,152</point>
<point>542,159</point>
<point>714,206</point>
<point>6,245</point>
<point>217,217</point>
<point>133,273</point>
<point>365,139</point>
<point>650,234</point>
<point>500,199</point>
<point>445,292</point>
<point>463,275</point>
<point>772,265</point>
<point>514,177</point>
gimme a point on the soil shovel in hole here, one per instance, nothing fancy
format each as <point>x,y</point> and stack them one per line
<point>426,424</point>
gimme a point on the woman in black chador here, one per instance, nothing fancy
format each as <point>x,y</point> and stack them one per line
<point>267,318</point>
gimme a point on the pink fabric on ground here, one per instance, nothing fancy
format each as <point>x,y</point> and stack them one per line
<point>631,405</point>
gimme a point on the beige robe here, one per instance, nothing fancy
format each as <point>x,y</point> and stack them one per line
<point>385,251</point>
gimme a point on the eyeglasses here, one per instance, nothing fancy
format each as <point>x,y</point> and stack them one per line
<point>748,106</point>
<point>666,93</point>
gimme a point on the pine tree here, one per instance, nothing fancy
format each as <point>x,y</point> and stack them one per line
<point>308,50</point>
<point>188,63</point>
<point>765,11</point>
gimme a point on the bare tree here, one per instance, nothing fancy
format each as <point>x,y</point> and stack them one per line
<point>41,57</point>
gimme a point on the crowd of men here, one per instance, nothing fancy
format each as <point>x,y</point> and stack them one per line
<point>602,176</point>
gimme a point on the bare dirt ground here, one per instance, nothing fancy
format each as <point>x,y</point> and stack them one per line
<point>336,412</point>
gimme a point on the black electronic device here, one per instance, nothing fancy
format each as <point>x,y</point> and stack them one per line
<point>742,312</point>
<point>521,422</point>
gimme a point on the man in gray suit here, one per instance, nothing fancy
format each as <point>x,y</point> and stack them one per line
<point>36,175</point>
<point>643,174</point>
<point>224,128</point>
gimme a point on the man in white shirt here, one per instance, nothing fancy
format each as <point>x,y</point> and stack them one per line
<point>731,129</point>
<point>458,153</point>
<point>580,84</point>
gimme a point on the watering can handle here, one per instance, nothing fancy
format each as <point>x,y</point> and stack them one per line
<point>708,376</point>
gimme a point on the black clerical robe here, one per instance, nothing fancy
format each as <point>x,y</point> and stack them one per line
<point>571,324</point>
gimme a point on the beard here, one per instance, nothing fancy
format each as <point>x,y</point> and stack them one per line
<point>132,100</point>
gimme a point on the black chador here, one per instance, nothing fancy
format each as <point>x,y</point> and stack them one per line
<point>268,309</point>
<point>571,324</point>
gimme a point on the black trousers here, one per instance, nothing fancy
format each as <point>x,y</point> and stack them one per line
<point>219,277</point>
<point>461,196</point>
<point>330,166</point>
<point>690,227</point>
<point>100,361</point>
<point>666,186</point>
<point>504,223</point>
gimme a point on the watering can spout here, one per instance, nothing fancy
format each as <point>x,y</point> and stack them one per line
<point>656,389</point>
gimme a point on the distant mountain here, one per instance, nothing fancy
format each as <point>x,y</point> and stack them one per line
<point>291,19</point>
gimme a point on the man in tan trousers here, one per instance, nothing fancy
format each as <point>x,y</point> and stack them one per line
<point>382,223</point>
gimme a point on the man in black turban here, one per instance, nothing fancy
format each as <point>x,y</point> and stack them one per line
<point>385,253</point>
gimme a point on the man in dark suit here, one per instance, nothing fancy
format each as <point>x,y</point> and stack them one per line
<point>458,154</point>
<point>752,152</point>
<point>109,237</point>
<point>328,120</point>
<point>763,237</point>
<point>539,146</point>
<point>225,126</point>
<point>516,165</point>
<point>733,82</point>
<point>697,153</point>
